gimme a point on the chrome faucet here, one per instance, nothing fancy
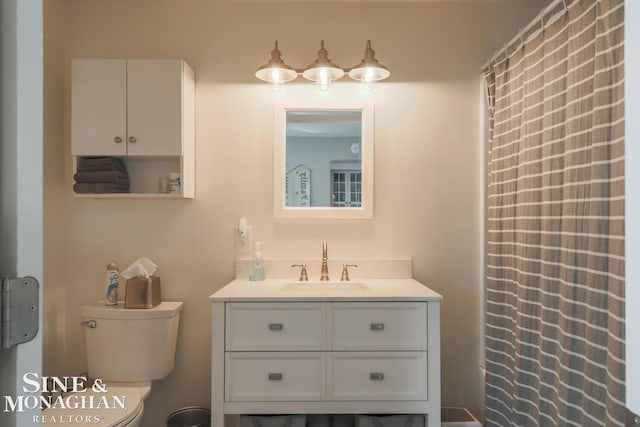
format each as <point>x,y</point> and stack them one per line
<point>324,271</point>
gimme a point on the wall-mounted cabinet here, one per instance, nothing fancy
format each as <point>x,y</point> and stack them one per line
<point>140,111</point>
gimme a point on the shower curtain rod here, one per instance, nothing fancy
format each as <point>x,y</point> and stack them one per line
<point>519,38</point>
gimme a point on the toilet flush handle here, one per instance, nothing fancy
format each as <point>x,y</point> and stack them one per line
<point>90,324</point>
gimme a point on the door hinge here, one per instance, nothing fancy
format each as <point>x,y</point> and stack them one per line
<point>19,310</point>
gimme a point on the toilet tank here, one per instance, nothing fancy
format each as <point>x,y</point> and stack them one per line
<point>131,345</point>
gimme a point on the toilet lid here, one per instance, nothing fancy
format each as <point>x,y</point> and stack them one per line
<point>100,409</point>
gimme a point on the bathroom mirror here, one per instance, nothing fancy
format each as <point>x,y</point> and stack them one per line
<point>323,162</point>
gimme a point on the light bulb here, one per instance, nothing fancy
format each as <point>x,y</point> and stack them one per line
<point>369,74</point>
<point>276,76</point>
<point>368,86</point>
<point>324,80</point>
<point>276,79</point>
<point>368,79</point>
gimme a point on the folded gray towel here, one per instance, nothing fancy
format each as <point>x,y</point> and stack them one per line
<point>99,188</point>
<point>115,177</point>
<point>100,169</point>
<point>92,164</point>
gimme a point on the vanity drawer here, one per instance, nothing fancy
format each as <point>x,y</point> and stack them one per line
<point>378,326</point>
<point>274,376</point>
<point>274,326</point>
<point>362,376</point>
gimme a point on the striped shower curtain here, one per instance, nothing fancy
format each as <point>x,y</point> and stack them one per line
<point>555,254</point>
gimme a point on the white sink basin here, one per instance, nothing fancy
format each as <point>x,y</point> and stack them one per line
<point>324,286</point>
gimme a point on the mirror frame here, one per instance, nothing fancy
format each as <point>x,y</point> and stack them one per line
<point>280,210</point>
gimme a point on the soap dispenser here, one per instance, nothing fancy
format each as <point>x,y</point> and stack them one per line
<point>257,267</point>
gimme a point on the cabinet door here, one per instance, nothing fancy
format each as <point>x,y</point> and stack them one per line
<point>154,103</point>
<point>98,107</point>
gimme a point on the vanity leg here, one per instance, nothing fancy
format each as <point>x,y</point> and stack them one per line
<point>217,364</point>
<point>217,419</point>
<point>433,355</point>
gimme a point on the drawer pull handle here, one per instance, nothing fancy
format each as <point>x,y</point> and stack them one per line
<point>275,326</point>
<point>377,326</point>
<point>275,377</point>
<point>376,376</point>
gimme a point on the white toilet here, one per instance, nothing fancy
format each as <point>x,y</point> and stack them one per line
<point>126,349</point>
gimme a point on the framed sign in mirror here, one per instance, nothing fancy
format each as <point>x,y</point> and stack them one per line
<point>323,162</point>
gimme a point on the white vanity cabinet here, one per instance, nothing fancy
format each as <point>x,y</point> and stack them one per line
<point>139,110</point>
<point>325,355</point>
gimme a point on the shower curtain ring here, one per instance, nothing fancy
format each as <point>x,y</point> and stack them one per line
<point>521,35</point>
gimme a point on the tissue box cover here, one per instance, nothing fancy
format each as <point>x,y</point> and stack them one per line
<point>142,292</point>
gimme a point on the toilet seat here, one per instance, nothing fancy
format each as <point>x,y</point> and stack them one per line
<point>131,415</point>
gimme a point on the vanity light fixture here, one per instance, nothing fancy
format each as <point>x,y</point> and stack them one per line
<point>369,70</point>
<point>322,72</point>
<point>276,71</point>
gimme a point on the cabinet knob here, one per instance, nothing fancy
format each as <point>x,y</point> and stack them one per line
<point>132,139</point>
<point>117,140</point>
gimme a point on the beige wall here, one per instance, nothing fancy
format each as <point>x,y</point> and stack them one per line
<point>428,193</point>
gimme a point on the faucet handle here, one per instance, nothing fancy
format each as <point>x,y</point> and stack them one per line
<point>345,272</point>
<point>303,272</point>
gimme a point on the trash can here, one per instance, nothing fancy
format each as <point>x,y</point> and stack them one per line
<point>192,416</point>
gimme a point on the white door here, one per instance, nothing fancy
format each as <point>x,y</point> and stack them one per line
<point>20,179</point>
<point>99,107</point>
<point>154,107</point>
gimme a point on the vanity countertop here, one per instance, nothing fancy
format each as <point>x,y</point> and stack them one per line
<point>243,290</point>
